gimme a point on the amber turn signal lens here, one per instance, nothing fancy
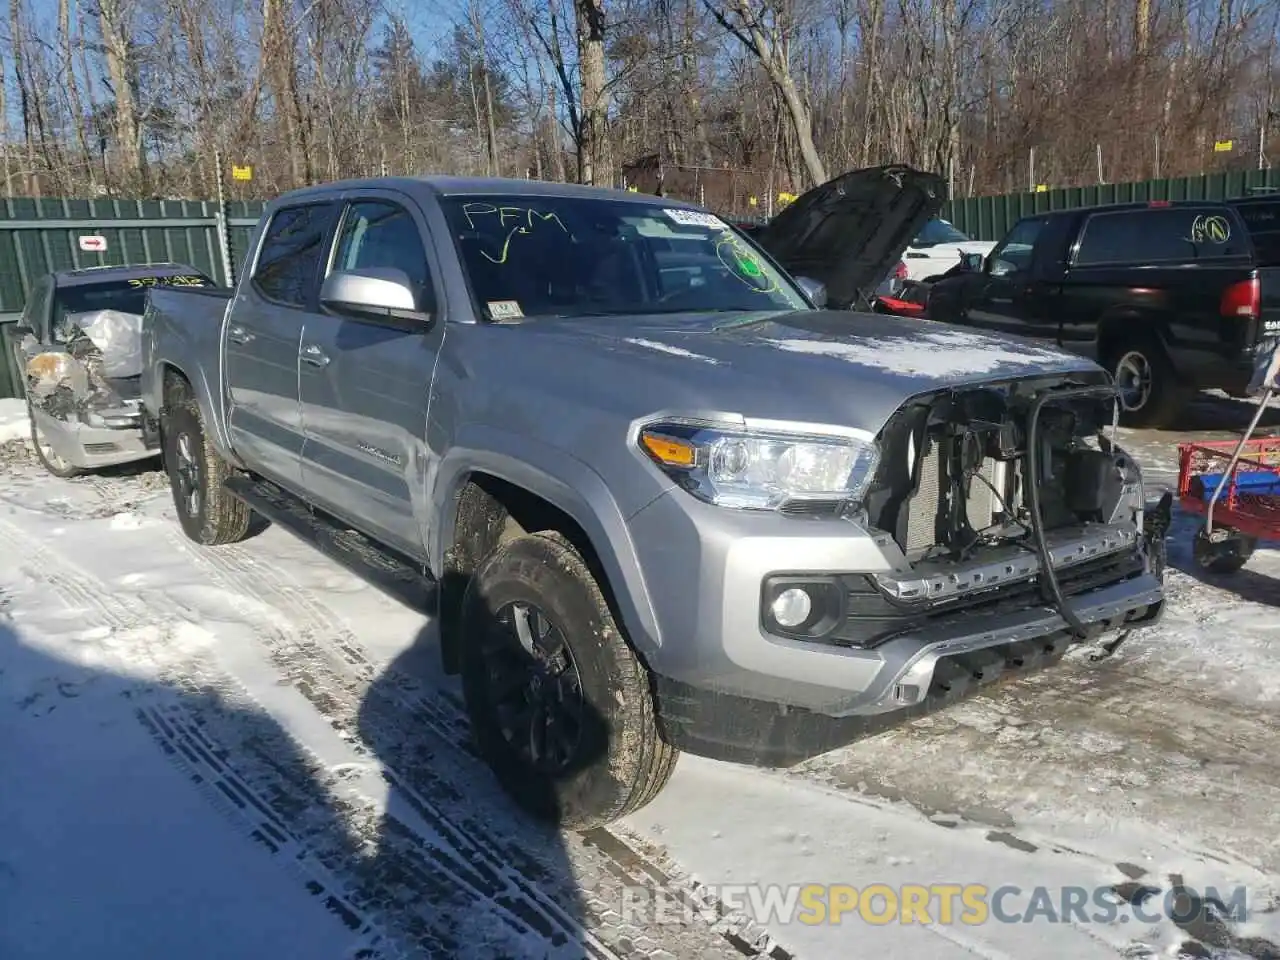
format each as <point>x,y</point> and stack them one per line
<point>667,451</point>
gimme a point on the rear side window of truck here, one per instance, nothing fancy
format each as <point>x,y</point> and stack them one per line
<point>1161,235</point>
<point>1262,217</point>
<point>292,250</point>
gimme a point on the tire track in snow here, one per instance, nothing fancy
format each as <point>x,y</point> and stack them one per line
<point>169,723</point>
<point>599,863</point>
<point>238,756</point>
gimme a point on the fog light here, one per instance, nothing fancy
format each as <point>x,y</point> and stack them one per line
<point>792,607</point>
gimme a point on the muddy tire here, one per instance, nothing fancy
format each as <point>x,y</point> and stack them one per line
<point>209,514</point>
<point>1150,394</point>
<point>46,455</point>
<point>1226,555</point>
<point>560,705</point>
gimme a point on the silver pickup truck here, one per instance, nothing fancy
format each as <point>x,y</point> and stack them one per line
<point>660,498</point>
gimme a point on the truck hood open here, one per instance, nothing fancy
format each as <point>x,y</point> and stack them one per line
<point>849,232</point>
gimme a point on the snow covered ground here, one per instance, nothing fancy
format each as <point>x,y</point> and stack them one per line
<point>14,423</point>
<point>246,752</point>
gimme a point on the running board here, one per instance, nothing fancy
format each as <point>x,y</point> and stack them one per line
<point>391,573</point>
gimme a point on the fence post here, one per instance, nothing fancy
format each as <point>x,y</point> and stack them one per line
<point>220,223</point>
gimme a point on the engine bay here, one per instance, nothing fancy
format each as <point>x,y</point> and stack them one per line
<point>957,470</point>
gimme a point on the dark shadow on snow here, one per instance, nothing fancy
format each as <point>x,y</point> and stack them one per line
<point>448,868</point>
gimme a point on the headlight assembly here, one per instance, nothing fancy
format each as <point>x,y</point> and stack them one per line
<point>752,469</point>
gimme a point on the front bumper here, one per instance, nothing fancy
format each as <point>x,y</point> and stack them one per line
<point>729,688</point>
<point>117,436</point>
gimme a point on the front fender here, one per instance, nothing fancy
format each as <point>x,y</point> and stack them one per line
<point>568,484</point>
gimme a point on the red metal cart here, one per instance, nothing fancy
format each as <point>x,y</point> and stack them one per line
<point>1235,485</point>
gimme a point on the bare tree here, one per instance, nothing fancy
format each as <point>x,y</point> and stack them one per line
<point>767,32</point>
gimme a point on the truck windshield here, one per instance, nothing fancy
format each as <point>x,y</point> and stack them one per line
<point>572,256</point>
<point>938,231</point>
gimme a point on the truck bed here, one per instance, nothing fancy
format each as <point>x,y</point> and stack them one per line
<point>183,328</point>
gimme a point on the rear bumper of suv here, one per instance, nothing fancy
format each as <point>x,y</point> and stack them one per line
<point>729,686</point>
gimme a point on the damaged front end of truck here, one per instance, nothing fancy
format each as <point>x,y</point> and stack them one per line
<point>1000,499</point>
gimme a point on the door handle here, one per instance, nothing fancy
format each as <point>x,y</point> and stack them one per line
<point>239,335</point>
<point>314,355</point>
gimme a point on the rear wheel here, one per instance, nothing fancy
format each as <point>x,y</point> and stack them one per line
<point>1150,395</point>
<point>207,511</point>
<point>560,705</point>
<point>1224,551</point>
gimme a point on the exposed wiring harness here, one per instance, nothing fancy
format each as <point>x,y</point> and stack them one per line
<point>1049,576</point>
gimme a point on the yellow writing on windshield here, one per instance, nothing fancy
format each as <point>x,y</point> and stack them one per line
<point>506,246</point>
<point>744,264</point>
<point>525,216</point>
<point>524,219</point>
<point>176,281</point>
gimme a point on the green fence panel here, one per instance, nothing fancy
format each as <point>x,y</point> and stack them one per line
<point>989,218</point>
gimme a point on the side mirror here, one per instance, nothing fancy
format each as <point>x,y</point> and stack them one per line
<point>381,292</point>
<point>815,290</point>
<point>973,262</point>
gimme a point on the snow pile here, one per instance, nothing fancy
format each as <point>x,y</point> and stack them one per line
<point>668,348</point>
<point>943,353</point>
<point>14,422</point>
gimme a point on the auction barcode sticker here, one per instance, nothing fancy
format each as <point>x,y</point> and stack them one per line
<point>695,218</point>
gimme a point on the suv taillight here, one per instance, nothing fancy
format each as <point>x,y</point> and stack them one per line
<point>900,271</point>
<point>1243,299</point>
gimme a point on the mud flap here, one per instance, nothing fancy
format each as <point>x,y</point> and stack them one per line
<point>1155,529</point>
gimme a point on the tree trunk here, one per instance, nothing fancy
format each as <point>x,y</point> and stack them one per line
<point>770,48</point>
<point>123,74</point>
<point>279,60</point>
<point>593,150</point>
<point>490,127</point>
<point>78,117</point>
<point>29,174</point>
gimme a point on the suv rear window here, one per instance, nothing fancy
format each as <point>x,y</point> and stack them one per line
<point>1262,217</point>
<point>1161,235</point>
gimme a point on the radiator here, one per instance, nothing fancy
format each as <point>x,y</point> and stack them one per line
<point>922,512</point>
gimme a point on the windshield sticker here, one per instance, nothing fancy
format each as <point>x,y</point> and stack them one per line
<point>177,281</point>
<point>504,310</point>
<point>1210,229</point>
<point>694,218</point>
<point>744,264</point>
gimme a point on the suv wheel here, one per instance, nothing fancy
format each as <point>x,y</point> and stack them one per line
<point>1150,395</point>
<point>207,511</point>
<point>560,705</point>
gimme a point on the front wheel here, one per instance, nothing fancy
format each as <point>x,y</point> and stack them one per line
<point>1225,551</point>
<point>560,704</point>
